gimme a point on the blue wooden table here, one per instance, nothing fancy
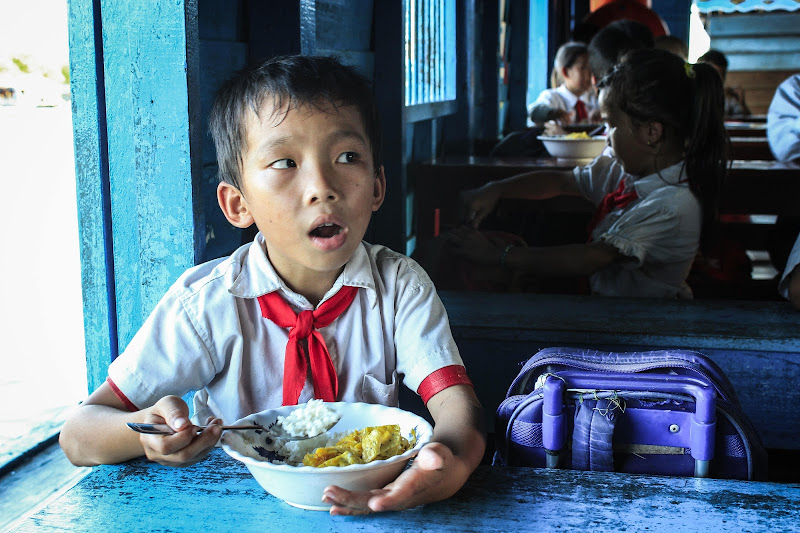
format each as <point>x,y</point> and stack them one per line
<point>219,494</point>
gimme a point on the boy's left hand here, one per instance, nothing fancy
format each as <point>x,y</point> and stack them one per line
<point>440,469</point>
<point>429,479</point>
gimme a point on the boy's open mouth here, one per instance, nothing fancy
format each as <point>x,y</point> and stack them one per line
<point>326,231</point>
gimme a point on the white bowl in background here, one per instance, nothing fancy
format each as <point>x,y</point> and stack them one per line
<point>302,486</point>
<point>574,149</point>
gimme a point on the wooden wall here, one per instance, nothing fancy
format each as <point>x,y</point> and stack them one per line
<point>762,51</point>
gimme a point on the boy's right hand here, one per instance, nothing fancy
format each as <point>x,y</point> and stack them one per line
<point>186,446</point>
<point>478,203</point>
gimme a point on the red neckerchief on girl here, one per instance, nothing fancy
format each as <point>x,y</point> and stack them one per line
<point>304,326</point>
<point>580,111</point>
<point>618,198</point>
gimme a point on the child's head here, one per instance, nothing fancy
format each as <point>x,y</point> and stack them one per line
<point>613,41</point>
<point>673,44</point>
<point>716,59</point>
<point>287,82</point>
<point>298,145</point>
<point>661,110</point>
<point>571,67</point>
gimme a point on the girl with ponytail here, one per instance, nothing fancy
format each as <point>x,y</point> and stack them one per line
<point>656,187</point>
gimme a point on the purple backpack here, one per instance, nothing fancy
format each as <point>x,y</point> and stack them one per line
<point>666,412</point>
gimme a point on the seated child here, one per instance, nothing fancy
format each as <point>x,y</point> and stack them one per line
<point>307,310</point>
<point>572,99</point>
<point>660,187</point>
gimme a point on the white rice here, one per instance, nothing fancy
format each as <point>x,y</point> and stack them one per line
<point>311,419</point>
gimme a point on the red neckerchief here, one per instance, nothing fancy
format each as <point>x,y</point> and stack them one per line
<point>618,198</point>
<point>304,326</point>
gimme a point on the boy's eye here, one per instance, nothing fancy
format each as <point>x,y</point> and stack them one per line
<point>347,157</point>
<point>283,163</point>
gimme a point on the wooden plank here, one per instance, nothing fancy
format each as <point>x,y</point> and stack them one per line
<point>91,174</point>
<point>755,24</point>
<point>220,494</point>
<point>150,58</point>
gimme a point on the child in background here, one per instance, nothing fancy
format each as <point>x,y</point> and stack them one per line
<point>307,310</point>
<point>734,98</point>
<point>572,99</point>
<point>666,131</point>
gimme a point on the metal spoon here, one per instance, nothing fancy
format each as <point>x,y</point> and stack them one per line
<point>275,429</point>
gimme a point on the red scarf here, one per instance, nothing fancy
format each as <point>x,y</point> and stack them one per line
<point>304,326</point>
<point>617,199</point>
<point>580,111</point>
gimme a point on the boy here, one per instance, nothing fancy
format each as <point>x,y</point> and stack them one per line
<point>307,310</point>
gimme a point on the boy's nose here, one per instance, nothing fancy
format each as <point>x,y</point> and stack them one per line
<point>321,186</point>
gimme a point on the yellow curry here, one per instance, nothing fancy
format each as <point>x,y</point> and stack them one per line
<point>577,135</point>
<point>362,446</point>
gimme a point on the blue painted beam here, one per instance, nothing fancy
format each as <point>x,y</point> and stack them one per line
<point>149,51</point>
<point>91,173</point>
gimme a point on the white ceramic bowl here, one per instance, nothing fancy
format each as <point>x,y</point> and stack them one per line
<point>302,486</point>
<point>577,149</point>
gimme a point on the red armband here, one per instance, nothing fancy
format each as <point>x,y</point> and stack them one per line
<point>121,395</point>
<point>441,379</point>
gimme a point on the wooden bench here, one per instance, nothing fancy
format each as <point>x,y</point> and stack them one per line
<point>757,344</point>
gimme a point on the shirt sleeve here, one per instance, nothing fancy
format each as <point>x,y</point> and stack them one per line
<point>783,121</point>
<point>791,263</point>
<point>167,356</point>
<point>422,336</point>
<point>659,228</point>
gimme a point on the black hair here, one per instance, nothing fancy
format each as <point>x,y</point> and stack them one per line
<point>613,41</point>
<point>566,56</point>
<point>291,81</point>
<point>688,100</point>
<point>715,57</point>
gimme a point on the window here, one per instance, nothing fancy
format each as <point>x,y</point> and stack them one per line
<point>430,62</point>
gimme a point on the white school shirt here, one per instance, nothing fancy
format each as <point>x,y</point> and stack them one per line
<point>207,335</point>
<point>793,261</point>
<point>659,231</point>
<point>563,98</point>
<point>783,120</point>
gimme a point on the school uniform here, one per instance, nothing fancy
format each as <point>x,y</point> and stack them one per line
<point>659,230</point>
<point>783,120</point>
<point>208,334</point>
<point>559,98</point>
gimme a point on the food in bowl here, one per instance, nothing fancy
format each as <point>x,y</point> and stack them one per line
<point>577,146</point>
<point>309,419</point>
<point>302,486</point>
<point>361,447</point>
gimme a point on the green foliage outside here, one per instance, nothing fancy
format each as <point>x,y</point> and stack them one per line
<point>21,65</point>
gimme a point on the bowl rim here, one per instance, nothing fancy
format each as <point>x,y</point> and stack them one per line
<point>424,435</point>
<point>596,138</point>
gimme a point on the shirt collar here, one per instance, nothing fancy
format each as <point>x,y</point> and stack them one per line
<point>673,175</point>
<point>569,98</point>
<point>257,276</point>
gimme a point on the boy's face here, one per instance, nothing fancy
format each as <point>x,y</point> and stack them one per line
<point>309,184</point>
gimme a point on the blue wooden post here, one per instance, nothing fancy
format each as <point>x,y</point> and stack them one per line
<point>132,66</point>
<point>91,169</point>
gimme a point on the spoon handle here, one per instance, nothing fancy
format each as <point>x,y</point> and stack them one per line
<point>164,429</point>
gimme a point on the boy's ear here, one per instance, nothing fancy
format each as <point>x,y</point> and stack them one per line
<point>233,205</point>
<point>379,190</point>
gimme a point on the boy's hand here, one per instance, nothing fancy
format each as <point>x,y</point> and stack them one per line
<point>474,245</point>
<point>438,471</point>
<point>185,447</point>
<point>434,475</point>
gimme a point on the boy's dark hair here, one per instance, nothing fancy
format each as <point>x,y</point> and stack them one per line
<point>290,81</point>
<point>689,101</point>
<point>566,56</point>
<point>613,41</point>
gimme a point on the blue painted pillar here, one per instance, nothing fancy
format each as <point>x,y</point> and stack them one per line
<point>134,69</point>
